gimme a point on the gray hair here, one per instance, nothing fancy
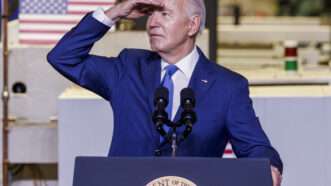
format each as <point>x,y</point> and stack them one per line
<point>197,7</point>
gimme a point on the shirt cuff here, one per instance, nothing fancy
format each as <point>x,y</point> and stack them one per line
<point>100,16</point>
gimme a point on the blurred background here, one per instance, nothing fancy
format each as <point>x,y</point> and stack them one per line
<point>283,47</point>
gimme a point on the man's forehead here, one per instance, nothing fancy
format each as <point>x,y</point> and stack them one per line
<point>173,3</point>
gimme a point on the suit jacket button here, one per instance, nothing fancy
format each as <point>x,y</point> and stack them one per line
<point>157,152</point>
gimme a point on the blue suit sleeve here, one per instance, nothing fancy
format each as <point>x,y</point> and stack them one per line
<point>246,134</point>
<point>71,58</point>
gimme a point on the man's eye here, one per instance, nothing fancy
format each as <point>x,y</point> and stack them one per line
<point>149,13</point>
<point>165,13</point>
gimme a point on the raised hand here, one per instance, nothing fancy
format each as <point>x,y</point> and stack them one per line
<point>133,9</point>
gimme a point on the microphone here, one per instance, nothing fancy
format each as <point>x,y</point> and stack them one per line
<point>161,98</point>
<point>160,116</point>
<point>187,100</point>
<point>188,116</point>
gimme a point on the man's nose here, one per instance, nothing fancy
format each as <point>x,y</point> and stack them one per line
<point>153,20</point>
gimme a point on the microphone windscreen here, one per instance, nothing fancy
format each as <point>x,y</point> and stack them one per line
<point>187,97</point>
<point>161,93</point>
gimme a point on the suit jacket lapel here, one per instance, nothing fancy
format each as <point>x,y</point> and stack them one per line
<point>202,79</point>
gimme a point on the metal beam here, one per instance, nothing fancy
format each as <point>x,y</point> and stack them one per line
<point>212,15</point>
<point>5,94</point>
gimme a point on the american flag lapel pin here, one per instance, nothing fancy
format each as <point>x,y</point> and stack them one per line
<point>204,81</point>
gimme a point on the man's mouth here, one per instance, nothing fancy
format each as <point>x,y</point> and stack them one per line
<point>153,35</point>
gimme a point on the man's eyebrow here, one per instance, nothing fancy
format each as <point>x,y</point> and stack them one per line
<point>166,9</point>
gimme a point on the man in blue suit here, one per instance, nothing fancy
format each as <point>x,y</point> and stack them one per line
<point>224,109</point>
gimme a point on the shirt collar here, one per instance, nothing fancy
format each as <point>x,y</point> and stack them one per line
<point>185,65</point>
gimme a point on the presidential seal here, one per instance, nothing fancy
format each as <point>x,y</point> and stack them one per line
<point>171,181</point>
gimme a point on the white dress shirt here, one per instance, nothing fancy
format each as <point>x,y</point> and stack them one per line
<point>100,15</point>
<point>182,76</point>
<point>185,66</point>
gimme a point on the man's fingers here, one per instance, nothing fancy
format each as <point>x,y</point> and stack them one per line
<point>157,3</point>
<point>133,9</point>
<point>276,176</point>
<point>147,6</point>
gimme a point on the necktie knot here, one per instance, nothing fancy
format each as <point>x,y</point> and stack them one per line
<point>171,69</point>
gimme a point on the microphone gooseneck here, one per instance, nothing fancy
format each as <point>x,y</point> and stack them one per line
<point>160,118</point>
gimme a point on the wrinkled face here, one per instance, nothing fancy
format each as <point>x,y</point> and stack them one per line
<point>168,27</point>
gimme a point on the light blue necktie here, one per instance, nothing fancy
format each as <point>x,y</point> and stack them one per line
<point>169,84</point>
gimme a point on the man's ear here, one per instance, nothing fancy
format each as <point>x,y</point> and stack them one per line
<point>194,26</point>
